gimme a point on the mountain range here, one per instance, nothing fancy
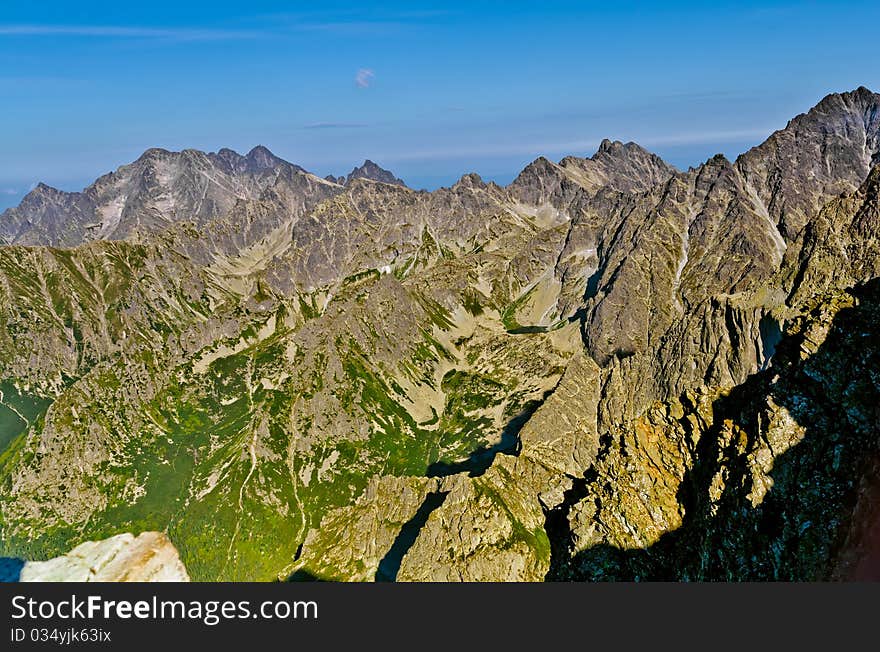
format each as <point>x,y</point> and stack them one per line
<point>608,369</point>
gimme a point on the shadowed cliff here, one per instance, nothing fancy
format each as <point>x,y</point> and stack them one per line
<point>818,518</point>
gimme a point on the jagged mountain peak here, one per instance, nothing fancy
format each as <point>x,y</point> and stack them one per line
<point>861,96</point>
<point>257,160</point>
<point>155,153</point>
<point>607,144</point>
<point>623,152</point>
<point>373,172</point>
<point>626,167</point>
<point>617,147</point>
<point>539,168</point>
<point>42,189</point>
<point>858,110</point>
<point>718,160</point>
<point>470,180</point>
<point>262,158</point>
<point>540,164</point>
<point>41,194</point>
<point>818,155</point>
<point>141,198</point>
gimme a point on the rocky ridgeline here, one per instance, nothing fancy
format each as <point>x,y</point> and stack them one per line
<point>607,369</point>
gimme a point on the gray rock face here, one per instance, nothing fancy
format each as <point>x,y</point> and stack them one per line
<point>819,155</point>
<point>615,166</point>
<point>372,172</point>
<point>479,383</point>
<point>148,557</point>
<point>47,215</point>
<point>259,159</point>
<point>155,192</point>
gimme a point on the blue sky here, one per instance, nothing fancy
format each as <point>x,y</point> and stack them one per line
<point>429,90</point>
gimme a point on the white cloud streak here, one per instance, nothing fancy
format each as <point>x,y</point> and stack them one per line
<point>116,31</point>
<point>581,146</point>
<point>341,29</point>
<point>364,77</point>
<point>335,125</point>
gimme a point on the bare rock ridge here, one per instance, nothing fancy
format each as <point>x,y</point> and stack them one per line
<point>616,166</point>
<point>148,557</point>
<point>609,369</point>
<point>158,190</point>
<point>368,170</point>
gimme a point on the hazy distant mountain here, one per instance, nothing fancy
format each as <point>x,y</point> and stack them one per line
<point>609,369</point>
<point>368,170</point>
<point>616,166</point>
<point>145,197</point>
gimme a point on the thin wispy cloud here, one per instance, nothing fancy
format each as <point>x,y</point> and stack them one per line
<point>578,147</point>
<point>351,28</point>
<point>778,11</point>
<point>709,137</point>
<point>426,13</point>
<point>9,192</point>
<point>41,79</point>
<point>354,21</point>
<point>364,78</point>
<point>279,25</point>
<point>117,31</point>
<point>334,125</point>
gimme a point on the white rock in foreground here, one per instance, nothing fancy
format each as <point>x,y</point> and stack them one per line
<point>148,557</point>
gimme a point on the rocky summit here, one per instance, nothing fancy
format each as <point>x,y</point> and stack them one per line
<point>609,369</point>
